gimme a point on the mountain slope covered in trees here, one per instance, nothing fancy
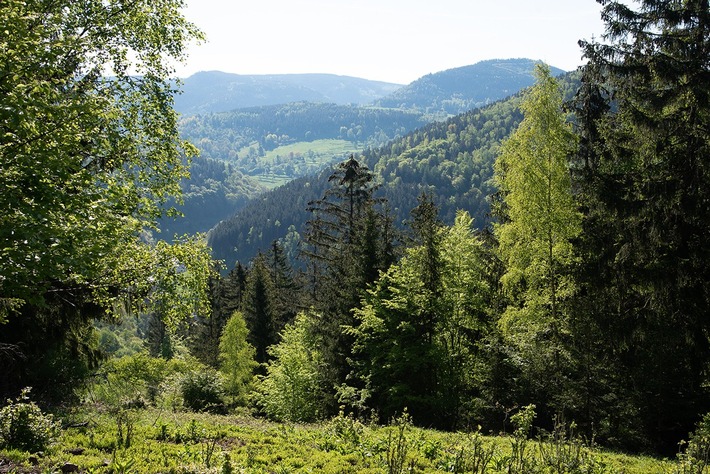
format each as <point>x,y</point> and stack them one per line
<point>457,90</point>
<point>225,135</point>
<point>272,144</point>
<point>214,191</point>
<point>453,160</point>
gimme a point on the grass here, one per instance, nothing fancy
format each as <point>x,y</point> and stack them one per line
<point>185,442</point>
<point>287,162</point>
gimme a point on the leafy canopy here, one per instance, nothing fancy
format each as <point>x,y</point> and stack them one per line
<point>89,149</point>
<point>539,215</point>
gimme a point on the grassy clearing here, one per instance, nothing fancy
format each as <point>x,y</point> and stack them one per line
<point>287,162</point>
<point>153,441</point>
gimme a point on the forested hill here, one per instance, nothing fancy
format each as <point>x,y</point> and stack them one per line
<point>216,91</point>
<point>453,160</point>
<point>214,191</point>
<point>222,135</point>
<point>458,90</point>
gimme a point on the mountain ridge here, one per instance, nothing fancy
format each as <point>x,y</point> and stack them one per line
<point>443,93</point>
<point>457,90</point>
<point>218,91</point>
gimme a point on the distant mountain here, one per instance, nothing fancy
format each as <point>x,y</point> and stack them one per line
<point>216,91</point>
<point>455,91</point>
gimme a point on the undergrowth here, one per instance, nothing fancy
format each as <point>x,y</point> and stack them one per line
<point>184,442</point>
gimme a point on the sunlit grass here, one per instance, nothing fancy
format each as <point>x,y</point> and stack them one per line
<point>185,442</point>
<point>287,162</point>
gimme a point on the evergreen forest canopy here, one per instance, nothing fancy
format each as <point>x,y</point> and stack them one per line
<point>578,290</point>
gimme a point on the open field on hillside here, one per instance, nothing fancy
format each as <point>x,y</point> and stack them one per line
<point>284,163</point>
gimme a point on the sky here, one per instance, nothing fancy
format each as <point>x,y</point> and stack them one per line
<point>395,41</point>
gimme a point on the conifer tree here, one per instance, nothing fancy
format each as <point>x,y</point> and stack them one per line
<point>416,343</point>
<point>286,294</point>
<point>647,228</point>
<point>341,239</point>
<point>258,308</point>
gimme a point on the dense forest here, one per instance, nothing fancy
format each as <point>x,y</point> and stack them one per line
<point>452,159</point>
<point>229,135</point>
<point>459,90</point>
<point>214,191</point>
<point>540,262</point>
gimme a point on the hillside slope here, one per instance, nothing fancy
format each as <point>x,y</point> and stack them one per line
<point>457,90</point>
<point>453,160</point>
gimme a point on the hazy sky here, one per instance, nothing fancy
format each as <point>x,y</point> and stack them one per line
<point>388,40</point>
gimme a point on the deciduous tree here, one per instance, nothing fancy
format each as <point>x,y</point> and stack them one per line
<point>539,221</point>
<point>89,152</point>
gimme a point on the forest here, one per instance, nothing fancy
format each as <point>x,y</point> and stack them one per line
<point>543,277</point>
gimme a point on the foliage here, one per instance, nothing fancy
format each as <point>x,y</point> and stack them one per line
<point>540,219</point>
<point>76,200</point>
<point>415,334</point>
<point>139,380</point>
<point>24,426</point>
<point>89,156</point>
<point>292,388</point>
<point>172,278</point>
<point>643,183</point>
<point>236,357</point>
<point>538,222</point>
<point>202,390</point>
<point>253,445</point>
<point>696,451</point>
<point>397,447</point>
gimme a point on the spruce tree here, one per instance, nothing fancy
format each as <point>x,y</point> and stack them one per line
<point>341,240</point>
<point>258,308</point>
<point>286,294</point>
<point>647,227</point>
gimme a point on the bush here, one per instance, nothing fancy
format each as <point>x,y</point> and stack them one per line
<point>202,391</point>
<point>23,425</point>
<point>696,457</point>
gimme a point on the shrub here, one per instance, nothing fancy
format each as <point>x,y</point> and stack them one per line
<point>24,426</point>
<point>696,457</point>
<point>202,390</point>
